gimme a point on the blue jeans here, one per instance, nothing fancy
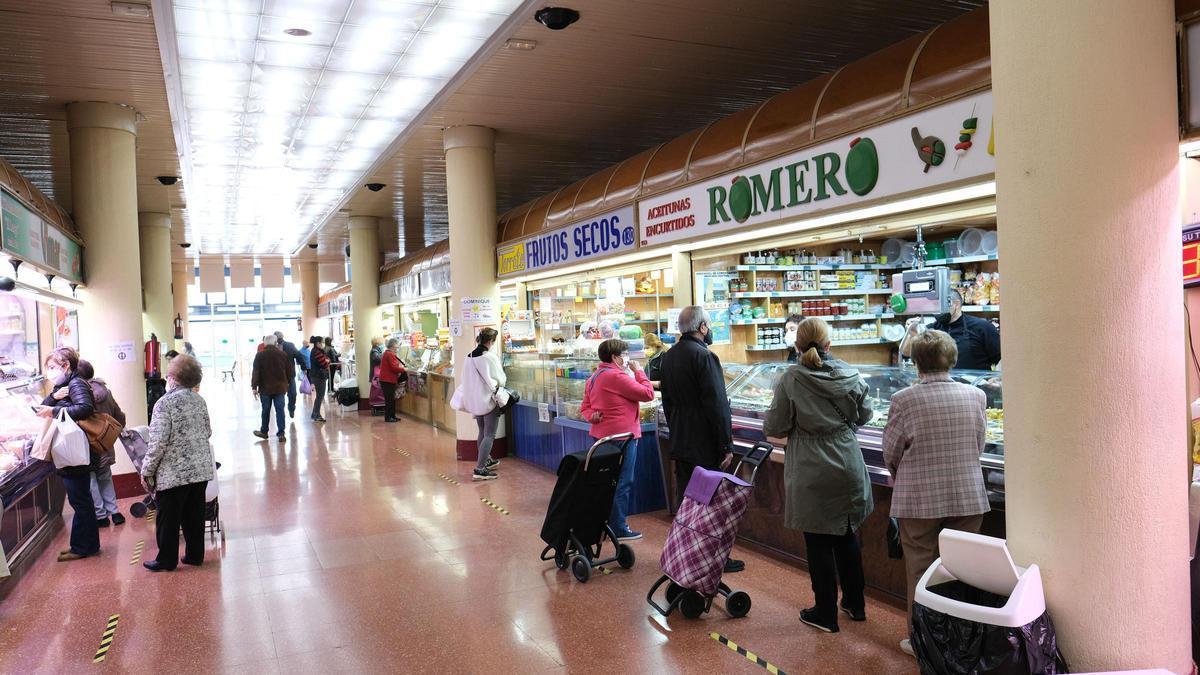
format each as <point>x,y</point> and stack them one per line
<point>104,494</point>
<point>85,532</point>
<point>620,505</point>
<point>291,397</point>
<point>268,401</point>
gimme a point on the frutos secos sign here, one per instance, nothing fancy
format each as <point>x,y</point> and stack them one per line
<point>590,239</point>
<point>945,144</point>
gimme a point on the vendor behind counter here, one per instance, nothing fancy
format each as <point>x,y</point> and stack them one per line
<point>977,339</point>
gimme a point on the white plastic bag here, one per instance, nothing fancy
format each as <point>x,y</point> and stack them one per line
<point>70,446</point>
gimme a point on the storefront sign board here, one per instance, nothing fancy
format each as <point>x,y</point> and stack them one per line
<point>24,235</point>
<point>434,280</point>
<point>908,155</point>
<point>1191,255</point>
<point>389,292</point>
<point>591,239</point>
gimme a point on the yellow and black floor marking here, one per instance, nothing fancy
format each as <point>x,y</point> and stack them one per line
<point>106,641</point>
<point>403,453</point>
<point>603,570</point>
<point>448,479</point>
<point>137,552</point>
<point>150,515</point>
<point>495,506</point>
<point>751,656</point>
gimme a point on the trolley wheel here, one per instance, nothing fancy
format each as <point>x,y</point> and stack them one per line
<point>561,561</point>
<point>738,604</point>
<point>673,591</point>
<point>625,556</point>
<point>692,604</point>
<point>138,510</point>
<point>581,567</point>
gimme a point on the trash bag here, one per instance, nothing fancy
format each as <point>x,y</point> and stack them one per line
<point>948,645</point>
<point>347,396</point>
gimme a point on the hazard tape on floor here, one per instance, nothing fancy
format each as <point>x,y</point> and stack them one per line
<point>750,656</point>
<point>150,515</point>
<point>403,453</point>
<point>448,479</point>
<point>106,640</point>
<point>137,552</point>
<point>495,506</point>
<point>603,570</point>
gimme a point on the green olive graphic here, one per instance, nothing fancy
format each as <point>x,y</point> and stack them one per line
<point>862,166</point>
<point>741,199</point>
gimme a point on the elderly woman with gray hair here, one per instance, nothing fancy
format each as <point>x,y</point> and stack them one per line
<point>391,374</point>
<point>934,436</point>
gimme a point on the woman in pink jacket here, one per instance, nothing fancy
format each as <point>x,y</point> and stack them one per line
<point>610,403</point>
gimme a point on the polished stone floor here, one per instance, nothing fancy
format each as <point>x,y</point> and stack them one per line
<point>345,551</point>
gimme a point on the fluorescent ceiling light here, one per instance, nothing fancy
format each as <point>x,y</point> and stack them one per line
<point>287,103</point>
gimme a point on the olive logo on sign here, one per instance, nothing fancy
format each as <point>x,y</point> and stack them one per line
<point>931,149</point>
<point>627,236</point>
<point>741,199</point>
<point>862,166</point>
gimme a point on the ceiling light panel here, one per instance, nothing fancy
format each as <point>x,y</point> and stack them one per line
<point>289,102</point>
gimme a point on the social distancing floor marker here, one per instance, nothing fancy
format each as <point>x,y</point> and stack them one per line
<point>137,552</point>
<point>495,506</point>
<point>150,515</point>
<point>106,640</point>
<point>403,452</point>
<point>448,479</point>
<point>750,656</point>
<point>604,570</point>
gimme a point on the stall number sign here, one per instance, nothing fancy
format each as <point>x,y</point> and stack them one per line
<point>594,238</point>
<point>1191,255</point>
<point>945,144</point>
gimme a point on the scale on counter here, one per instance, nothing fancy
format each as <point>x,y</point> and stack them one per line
<point>921,291</point>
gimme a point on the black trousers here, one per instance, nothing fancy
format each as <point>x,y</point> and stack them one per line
<point>683,475</point>
<point>389,399</point>
<point>85,533</point>
<point>833,558</point>
<point>319,385</point>
<point>180,506</point>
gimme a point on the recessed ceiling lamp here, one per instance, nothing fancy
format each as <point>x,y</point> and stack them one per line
<point>520,45</point>
<point>298,32</point>
<point>136,10</point>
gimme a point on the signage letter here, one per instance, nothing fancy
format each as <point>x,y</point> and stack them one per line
<point>827,174</point>
<point>716,205</point>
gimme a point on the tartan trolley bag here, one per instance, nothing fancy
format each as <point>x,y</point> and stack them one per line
<point>702,536</point>
<point>577,518</point>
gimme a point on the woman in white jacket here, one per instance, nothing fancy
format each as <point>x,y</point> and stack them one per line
<point>479,400</point>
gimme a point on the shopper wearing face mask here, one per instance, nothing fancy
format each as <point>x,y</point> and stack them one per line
<point>179,465</point>
<point>61,371</point>
<point>789,336</point>
<point>978,341</point>
<point>610,403</point>
<point>697,409</point>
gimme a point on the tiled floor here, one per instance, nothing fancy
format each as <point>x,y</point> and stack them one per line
<point>344,555</point>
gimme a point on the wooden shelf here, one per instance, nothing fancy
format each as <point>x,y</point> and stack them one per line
<point>812,294</point>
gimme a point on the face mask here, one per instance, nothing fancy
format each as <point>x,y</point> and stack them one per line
<point>54,374</point>
<point>789,338</point>
<point>944,318</point>
<point>708,338</point>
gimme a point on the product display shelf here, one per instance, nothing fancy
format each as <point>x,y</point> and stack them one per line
<point>601,297</point>
<point>835,343</point>
<point>847,292</point>
<point>817,268</point>
<point>837,317</point>
<point>962,260</point>
<point>981,309</point>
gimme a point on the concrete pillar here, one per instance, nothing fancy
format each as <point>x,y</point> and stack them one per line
<point>310,292</point>
<point>1087,206</point>
<point>104,194</point>
<point>182,276</point>
<point>681,271</point>
<point>471,201</point>
<point>159,305</point>
<point>364,293</point>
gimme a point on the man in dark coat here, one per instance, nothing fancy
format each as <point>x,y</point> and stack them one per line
<point>272,372</point>
<point>697,409</point>
<point>294,354</point>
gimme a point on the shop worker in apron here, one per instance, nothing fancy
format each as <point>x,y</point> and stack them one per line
<point>977,339</point>
<point>697,409</point>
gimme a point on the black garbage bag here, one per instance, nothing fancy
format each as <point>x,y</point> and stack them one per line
<point>948,645</point>
<point>347,396</point>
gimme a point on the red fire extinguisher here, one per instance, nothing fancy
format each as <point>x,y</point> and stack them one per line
<point>178,327</point>
<point>152,357</point>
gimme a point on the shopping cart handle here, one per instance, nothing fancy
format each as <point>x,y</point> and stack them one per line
<point>758,453</point>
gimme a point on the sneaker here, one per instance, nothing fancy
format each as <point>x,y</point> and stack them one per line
<point>318,419</point>
<point>68,556</point>
<point>628,535</point>
<point>732,566</point>
<point>906,647</point>
<point>102,522</point>
<point>491,464</point>
<point>281,436</point>
<point>292,413</point>
<point>261,434</point>
<point>118,519</point>
<point>809,616</point>
<point>859,615</point>
<point>483,474</point>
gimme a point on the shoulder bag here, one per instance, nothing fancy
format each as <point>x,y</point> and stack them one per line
<point>102,431</point>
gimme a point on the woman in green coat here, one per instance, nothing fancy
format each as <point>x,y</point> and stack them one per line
<point>817,406</point>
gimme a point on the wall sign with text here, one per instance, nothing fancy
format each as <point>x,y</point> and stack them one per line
<point>591,239</point>
<point>945,144</point>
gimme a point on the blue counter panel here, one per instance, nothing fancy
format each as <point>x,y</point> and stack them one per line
<point>536,442</point>
<point>649,493</point>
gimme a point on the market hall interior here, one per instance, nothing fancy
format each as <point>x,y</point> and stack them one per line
<point>336,210</point>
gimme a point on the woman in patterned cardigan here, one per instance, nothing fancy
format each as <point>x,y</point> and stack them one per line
<point>179,465</point>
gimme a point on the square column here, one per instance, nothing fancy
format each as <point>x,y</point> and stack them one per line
<point>364,294</point>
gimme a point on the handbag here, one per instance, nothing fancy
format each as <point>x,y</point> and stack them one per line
<point>306,387</point>
<point>102,431</point>
<point>41,446</point>
<point>70,446</point>
<point>505,398</point>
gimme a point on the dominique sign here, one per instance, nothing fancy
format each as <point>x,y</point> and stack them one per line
<point>591,239</point>
<point>901,156</point>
